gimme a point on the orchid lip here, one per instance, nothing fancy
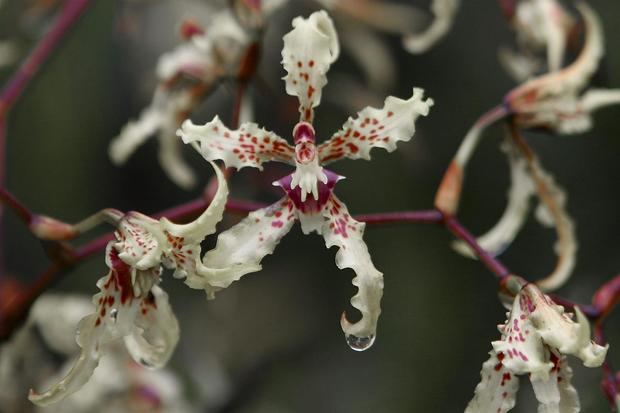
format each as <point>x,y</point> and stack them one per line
<point>310,204</point>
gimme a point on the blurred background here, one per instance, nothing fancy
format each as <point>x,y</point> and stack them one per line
<point>272,342</point>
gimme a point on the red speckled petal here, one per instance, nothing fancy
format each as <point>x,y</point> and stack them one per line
<point>152,343</point>
<point>249,145</point>
<point>497,390</point>
<point>376,128</point>
<point>139,241</point>
<point>309,50</point>
<point>183,240</point>
<point>240,249</point>
<point>342,231</point>
<point>521,343</point>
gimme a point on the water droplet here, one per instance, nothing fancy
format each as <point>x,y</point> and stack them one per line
<point>114,314</point>
<point>360,343</point>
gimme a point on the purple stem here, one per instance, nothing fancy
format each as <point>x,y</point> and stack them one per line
<point>9,95</point>
<point>495,266</point>
<point>69,14</point>
<point>430,217</point>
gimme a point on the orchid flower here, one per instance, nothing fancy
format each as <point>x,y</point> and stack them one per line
<point>186,75</point>
<point>557,100</point>
<point>536,339</point>
<point>117,385</point>
<point>539,25</point>
<point>309,50</point>
<point>130,305</point>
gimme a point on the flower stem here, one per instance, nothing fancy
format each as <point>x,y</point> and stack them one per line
<point>431,216</point>
<point>493,264</point>
<point>69,14</point>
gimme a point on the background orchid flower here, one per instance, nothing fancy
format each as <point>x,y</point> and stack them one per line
<point>47,341</point>
<point>186,75</point>
<point>131,306</point>
<point>552,101</point>
<point>309,50</point>
<point>537,337</point>
<point>540,25</point>
<point>559,100</point>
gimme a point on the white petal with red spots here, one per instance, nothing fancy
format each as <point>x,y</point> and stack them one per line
<point>309,50</point>
<point>521,343</point>
<point>116,317</point>
<point>376,128</point>
<point>497,390</point>
<point>244,245</point>
<point>183,240</point>
<point>139,241</point>
<point>342,231</point>
<point>249,145</point>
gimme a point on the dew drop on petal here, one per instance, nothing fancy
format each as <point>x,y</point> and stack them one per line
<point>114,314</point>
<point>360,343</point>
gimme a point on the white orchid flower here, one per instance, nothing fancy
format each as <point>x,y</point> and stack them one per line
<point>536,339</point>
<point>309,50</point>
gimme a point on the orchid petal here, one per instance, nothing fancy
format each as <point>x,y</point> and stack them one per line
<point>521,67</point>
<point>594,99</point>
<point>242,247</point>
<point>139,241</point>
<point>114,318</point>
<point>498,238</point>
<point>183,242</point>
<point>160,118</point>
<point>196,231</point>
<point>171,159</point>
<point>194,58</point>
<point>381,128</point>
<point>497,389</point>
<point>557,394</point>
<point>558,330</point>
<point>309,50</point>
<point>521,342</point>
<point>372,55</point>
<point>444,11</point>
<point>556,33</point>
<point>342,231</point>
<point>134,134</point>
<point>249,145</point>
<point>157,335</point>
<point>553,198</point>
